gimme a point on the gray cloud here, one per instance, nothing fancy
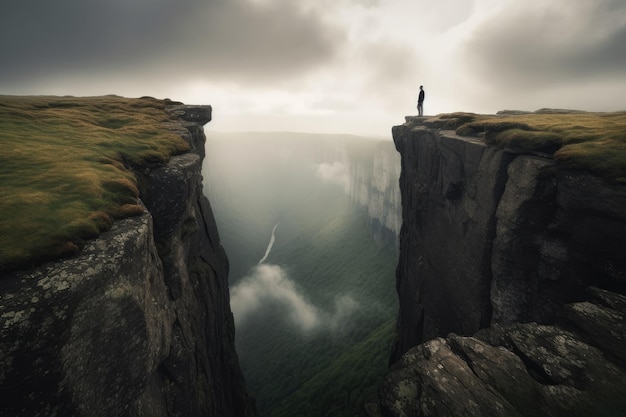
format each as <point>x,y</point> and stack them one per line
<point>334,173</point>
<point>537,43</point>
<point>346,65</point>
<point>237,39</point>
<point>367,3</point>
<point>391,67</point>
<point>270,286</point>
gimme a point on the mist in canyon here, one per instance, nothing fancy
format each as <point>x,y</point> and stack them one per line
<point>310,225</point>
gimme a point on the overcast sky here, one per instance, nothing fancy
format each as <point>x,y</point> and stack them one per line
<point>349,66</point>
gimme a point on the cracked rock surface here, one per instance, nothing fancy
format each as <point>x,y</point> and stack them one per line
<point>139,322</point>
<point>522,369</point>
<point>511,283</point>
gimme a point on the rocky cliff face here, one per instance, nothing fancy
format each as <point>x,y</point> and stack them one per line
<point>374,187</point>
<point>138,324</point>
<point>515,245</point>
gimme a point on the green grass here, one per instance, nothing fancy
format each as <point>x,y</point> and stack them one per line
<point>66,169</point>
<point>594,142</point>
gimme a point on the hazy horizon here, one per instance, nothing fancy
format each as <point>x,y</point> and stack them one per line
<point>340,66</point>
<point>294,135</point>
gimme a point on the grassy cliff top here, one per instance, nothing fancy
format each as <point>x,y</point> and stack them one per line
<point>594,142</point>
<point>65,169</point>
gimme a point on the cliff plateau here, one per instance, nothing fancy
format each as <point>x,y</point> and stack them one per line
<point>138,323</point>
<point>511,283</point>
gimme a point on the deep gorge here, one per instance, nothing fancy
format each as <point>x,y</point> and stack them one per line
<point>511,284</point>
<point>322,301</point>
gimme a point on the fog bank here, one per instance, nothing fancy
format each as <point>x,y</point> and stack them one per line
<point>269,286</point>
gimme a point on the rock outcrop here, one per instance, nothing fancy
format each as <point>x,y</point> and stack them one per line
<point>574,368</point>
<point>139,323</point>
<point>511,283</point>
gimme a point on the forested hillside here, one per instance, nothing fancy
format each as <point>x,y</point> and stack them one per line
<point>315,320</point>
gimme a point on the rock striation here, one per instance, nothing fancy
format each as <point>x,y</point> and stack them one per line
<point>511,283</point>
<point>139,323</point>
<point>374,187</point>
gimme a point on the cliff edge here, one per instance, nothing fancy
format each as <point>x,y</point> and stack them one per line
<point>511,283</point>
<point>139,322</point>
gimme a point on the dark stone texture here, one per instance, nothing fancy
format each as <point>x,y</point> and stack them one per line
<point>522,369</point>
<point>82,336</point>
<point>450,192</point>
<point>556,236</point>
<point>511,285</point>
<point>198,115</point>
<point>497,236</point>
<point>137,324</point>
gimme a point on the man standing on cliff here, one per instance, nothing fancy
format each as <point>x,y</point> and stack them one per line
<point>420,101</point>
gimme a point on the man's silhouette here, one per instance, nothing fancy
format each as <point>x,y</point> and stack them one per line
<point>420,101</point>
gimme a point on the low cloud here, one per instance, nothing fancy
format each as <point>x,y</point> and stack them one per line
<point>334,173</point>
<point>345,307</point>
<point>538,43</point>
<point>269,286</point>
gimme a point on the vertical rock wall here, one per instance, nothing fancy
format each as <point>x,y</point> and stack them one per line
<point>511,283</point>
<point>450,190</point>
<point>139,323</point>
<point>495,236</point>
<point>374,187</point>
